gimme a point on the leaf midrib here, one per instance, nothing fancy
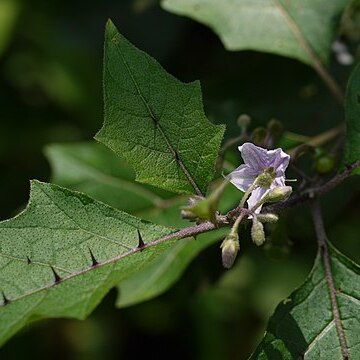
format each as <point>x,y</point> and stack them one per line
<point>172,150</point>
<point>293,26</point>
<point>91,267</point>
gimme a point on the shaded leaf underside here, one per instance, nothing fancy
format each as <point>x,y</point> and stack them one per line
<point>299,29</point>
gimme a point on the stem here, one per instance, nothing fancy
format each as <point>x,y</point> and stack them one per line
<point>323,250</point>
<point>238,221</point>
<point>312,192</point>
<point>222,220</point>
<point>247,194</point>
<point>259,203</point>
<point>320,139</point>
<point>232,142</point>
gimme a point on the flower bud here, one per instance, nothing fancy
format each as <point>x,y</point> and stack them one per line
<point>195,208</point>
<point>188,214</point>
<point>258,136</point>
<point>257,232</point>
<point>267,218</point>
<point>243,121</point>
<point>325,164</point>
<point>279,193</point>
<point>229,249</point>
<point>200,208</point>
<point>275,127</point>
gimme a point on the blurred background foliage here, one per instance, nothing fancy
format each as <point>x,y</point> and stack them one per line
<point>51,92</point>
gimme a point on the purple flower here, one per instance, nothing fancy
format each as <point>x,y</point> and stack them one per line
<point>257,161</point>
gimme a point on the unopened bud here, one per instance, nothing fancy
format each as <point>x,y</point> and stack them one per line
<point>243,121</point>
<point>279,193</point>
<point>325,164</point>
<point>267,218</point>
<point>275,127</point>
<point>258,136</point>
<point>188,214</point>
<point>194,210</point>
<point>200,208</point>
<point>229,249</point>
<point>257,232</point>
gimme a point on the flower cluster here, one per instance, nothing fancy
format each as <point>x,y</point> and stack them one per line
<point>265,168</point>
<point>262,179</point>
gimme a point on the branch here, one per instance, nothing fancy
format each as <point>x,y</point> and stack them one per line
<point>313,192</point>
<point>183,233</point>
<point>221,221</point>
<point>323,250</point>
<point>320,139</point>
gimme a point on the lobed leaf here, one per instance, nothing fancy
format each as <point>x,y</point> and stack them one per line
<point>300,29</point>
<point>154,121</point>
<point>303,325</point>
<point>352,114</point>
<point>61,255</point>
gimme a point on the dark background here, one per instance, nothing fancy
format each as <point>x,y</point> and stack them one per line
<point>51,91</point>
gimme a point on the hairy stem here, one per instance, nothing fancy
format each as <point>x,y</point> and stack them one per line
<point>247,194</point>
<point>313,192</point>
<point>234,215</point>
<point>324,253</point>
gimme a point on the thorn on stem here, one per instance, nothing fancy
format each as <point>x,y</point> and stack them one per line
<point>28,260</point>
<point>5,299</point>
<point>56,275</point>
<point>93,259</point>
<point>141,243</point>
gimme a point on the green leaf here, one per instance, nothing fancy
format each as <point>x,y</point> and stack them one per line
<point>154,121</point>
<point>160,274</point>
<point>302,30</point>
<point>9,12</point>
<point>91,168</point>
<point>46,266</point>
<point>352,114</point>
<point>303,325</point>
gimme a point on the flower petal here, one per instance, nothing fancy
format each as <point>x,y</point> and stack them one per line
<point>254,156</point>
<point>256,195</point>
<point>279,181</point>
<point>281,161</point>
<point>242,177</point>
